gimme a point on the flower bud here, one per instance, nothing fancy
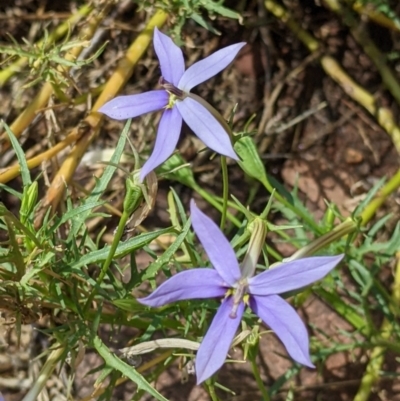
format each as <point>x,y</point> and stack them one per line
<point>258,232</point>
<point>250,161</point>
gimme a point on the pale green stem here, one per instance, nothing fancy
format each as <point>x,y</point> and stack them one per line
<point>211,391</point>
<point>107,263</point>
<point>212,201</point>
<point>225,191</point>
<point>260,384</point>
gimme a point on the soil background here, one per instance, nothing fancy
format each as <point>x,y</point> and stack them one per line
<point>310,133</point>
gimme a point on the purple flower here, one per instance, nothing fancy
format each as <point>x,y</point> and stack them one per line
<point>240,288</point>
<point>178,103</point>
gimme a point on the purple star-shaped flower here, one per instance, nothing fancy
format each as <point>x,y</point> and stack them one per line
<point>238,289</point>
<point>178,103</point>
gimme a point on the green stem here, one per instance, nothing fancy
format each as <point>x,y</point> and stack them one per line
<point>225,191</point>
<point>117,238</point>
<point>212,201</point>
<point>211,391</point>
<point>107,263</point>
<point>257,376</point>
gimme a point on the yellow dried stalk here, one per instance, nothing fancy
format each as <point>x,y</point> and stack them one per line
<point>91,123</point>
<point>9,173</point>
<point>371,13</point>
<point>332,67</point>
<point>58,33</point>
<point>380,198</point>
<point>361,36</point>
<point>41,99</point>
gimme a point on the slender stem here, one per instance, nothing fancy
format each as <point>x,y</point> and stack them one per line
<point>117,238</point>
<point>212,201</point>
<point>225,191</point>
<point>107,263</point>
<point>211,391</point>
<point>257,376</point>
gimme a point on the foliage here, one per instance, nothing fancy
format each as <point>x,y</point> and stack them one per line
<point>53,267</point>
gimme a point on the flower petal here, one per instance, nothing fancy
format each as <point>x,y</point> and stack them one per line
<point>206,127</point>
<point>292,275</point>
<point>168,133</point>
<point>124,107</point>
<point>170,57</point>
<point>287,325</point>
<point>216,343</point>
<point>208,67</point>
<point>190,284</point>
<point>216,245</point>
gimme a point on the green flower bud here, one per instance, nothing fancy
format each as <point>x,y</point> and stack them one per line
<point>258,233</point>
<point>250,161</point>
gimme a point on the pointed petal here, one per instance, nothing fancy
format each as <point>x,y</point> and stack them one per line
<point>218,248</point>
<point>208,67</point>
<point>168,133</point>
<point>292,275</point>
<point>190,284</point>
<point>215,345</point>
<point>124,107</point>
<point>206,127</point>
<point>170,57</point>
<point>287,325</point>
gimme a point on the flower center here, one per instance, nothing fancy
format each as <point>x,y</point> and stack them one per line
<point>239,293</point>
<point>175,93</point>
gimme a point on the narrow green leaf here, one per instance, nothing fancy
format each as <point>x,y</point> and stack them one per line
<point>116,363</point>
<point>124,248</point>
<point>343,309</point>
<point>202,22</point>
<point>25,173</point>
<point>221,10</point>
<point>152,270</point>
